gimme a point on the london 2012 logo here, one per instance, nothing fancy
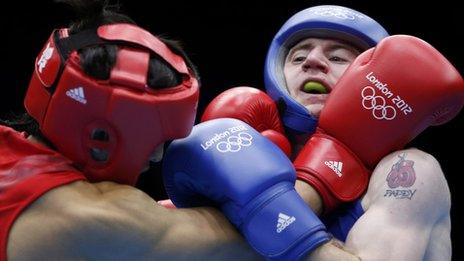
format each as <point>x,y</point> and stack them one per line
<point>232,139</point>
<point>46,55</point>
<point>376,97</point>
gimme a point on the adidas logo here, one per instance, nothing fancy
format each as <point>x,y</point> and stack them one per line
<point>336,166</point>
<point>284,221</point>
<point>77,94</point>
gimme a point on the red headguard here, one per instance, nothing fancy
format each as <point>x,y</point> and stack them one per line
<point>109,127</point>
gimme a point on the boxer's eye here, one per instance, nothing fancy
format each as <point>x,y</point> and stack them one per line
<point>337,59</point>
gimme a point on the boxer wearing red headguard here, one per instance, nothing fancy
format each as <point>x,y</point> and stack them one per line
<point>106,95</point>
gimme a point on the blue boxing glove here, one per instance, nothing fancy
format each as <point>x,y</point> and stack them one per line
<point>226,163</point>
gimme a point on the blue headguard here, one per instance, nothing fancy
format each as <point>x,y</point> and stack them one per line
<point>325,21</point>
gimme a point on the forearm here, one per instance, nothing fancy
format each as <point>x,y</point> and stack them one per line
<point>332,250</point>
<point>173,234</point>
<point>203,232</point>
<point>310,196</point>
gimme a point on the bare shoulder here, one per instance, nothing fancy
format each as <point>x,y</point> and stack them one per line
<point>77,217</point>
<point>408,199</point>
<point>412,176</point>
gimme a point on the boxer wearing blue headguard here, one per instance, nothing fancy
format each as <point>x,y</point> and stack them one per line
<point>332,36</point>
<point>298,109</point>
<point>358,133</point>
<point>355,29</point>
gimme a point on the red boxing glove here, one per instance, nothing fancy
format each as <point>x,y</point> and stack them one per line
<point>253,107</point>
<point>388,96</point>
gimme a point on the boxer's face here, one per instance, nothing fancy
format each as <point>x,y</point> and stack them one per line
<point>317,60</point>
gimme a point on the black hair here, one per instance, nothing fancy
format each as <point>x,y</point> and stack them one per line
<point>97,61</point>
<point>21,122</point>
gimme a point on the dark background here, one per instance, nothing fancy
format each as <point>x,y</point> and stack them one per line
<point>228,41</point>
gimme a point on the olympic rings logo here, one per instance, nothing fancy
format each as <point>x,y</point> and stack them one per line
<point>378,105</point>
<point>235,143</point>
<point>336,12</point>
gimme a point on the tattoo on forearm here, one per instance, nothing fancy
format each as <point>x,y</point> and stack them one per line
<point>402,175</point>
